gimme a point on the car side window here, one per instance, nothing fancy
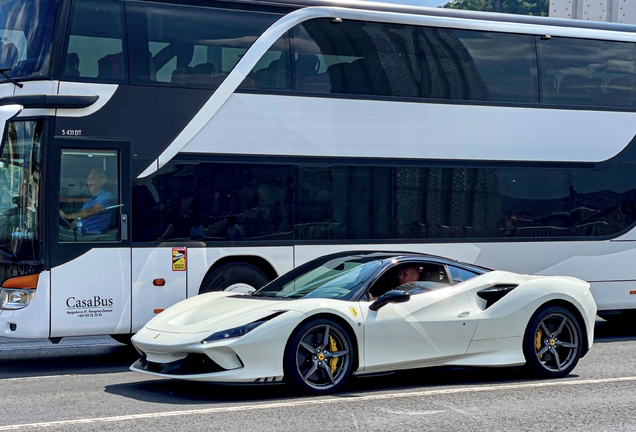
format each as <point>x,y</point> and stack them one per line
<point>416,277</point>
<point>460,275</point>
<point>384,284</point>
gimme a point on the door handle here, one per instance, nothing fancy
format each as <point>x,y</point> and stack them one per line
<point>463,314</point>
<point>124,227</point>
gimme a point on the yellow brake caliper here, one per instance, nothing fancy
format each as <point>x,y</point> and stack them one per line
<point>537,341</point>
<point>333,347</point>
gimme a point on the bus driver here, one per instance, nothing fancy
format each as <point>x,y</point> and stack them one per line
<point>94,219</point>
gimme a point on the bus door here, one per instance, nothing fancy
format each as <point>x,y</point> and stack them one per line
<point>90,253</point>
<point>159,280</point>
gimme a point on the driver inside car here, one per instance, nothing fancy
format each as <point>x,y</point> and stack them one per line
<point>406,273</point>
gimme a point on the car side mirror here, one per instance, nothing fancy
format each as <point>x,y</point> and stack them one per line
<point>393,296</point>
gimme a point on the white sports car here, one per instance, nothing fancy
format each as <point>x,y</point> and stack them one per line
<point>359,313</point>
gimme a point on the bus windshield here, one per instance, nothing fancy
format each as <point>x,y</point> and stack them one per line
<point>20,170</point>
<point>26,27</point>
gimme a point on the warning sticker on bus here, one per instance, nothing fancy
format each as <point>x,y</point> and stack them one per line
<point>178,259</point>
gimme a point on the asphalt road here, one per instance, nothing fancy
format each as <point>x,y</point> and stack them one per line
<point>83,384</point>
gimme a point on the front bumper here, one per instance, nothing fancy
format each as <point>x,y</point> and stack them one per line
<point>253,358</point>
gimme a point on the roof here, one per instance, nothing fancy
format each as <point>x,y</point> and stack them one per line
<point>442,12</point>
<point>399,255</point>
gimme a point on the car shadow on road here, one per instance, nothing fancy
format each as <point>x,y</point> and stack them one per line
<point>176,392</point>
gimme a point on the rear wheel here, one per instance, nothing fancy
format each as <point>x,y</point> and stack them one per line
<point>319,357</point>
<point>238,277</point>
<point>553,342</point>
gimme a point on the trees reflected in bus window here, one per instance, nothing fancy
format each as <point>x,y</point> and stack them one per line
<point>476,65</point>
<point>587,72</point>
<point>210,201</point>
<point>344,203</point>
<point>214,202</point>
<point>356,57</point>
<point>191,46</point>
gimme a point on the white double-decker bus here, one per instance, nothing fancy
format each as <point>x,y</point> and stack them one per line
<point>155,150</point>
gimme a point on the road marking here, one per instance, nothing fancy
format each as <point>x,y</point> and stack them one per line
<point>39,377</point>
<point>354,421</point>
<point>412,413</point>
<point>351,397</point>
<point>46,346</point>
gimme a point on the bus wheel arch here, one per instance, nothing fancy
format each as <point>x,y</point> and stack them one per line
<point>237,273</point>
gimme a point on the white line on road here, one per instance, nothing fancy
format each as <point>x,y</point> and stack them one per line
<point>47,346</point>
<point>40,377</point>
<point>412,413</point>
<point>327,400</point>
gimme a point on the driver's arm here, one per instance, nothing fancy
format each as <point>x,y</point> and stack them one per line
<point>83,213</point>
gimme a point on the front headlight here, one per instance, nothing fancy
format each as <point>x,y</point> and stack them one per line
<point>239,331</point>
<point>17,292</point>
<point>13,299</point>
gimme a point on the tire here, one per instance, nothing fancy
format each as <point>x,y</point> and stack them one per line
<point>236,276</point>
<point>309,363</point>
<point>553,342</point>
<point>123,338</point>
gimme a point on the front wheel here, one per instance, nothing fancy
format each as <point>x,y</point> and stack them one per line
<point>319,357</point>
<point>553,342</point>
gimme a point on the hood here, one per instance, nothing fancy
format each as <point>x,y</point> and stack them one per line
<point>214,312</point>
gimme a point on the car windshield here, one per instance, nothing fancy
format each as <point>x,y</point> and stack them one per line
<point>27,33</point>
<point>335,278</point>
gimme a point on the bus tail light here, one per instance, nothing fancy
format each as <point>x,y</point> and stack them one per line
<point>17,292</point>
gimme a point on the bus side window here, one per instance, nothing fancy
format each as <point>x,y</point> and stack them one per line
<point>192,46</point>
<point>587,72</point>
<point>95,49</point>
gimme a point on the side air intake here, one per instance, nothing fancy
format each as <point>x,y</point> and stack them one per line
<point>495,293</point>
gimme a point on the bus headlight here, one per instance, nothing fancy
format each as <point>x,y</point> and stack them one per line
<point>17,292</point>
<point>12,299</point>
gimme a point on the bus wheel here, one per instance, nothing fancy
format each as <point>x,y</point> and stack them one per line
<point>122,338</point>
<point>238,277</point>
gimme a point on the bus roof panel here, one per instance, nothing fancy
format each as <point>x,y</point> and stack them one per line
<point>410,8</point>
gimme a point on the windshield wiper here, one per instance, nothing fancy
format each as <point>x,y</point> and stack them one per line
<point>3,72</point>
<point>8,253</point>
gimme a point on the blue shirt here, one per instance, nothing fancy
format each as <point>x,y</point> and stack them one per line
<point>100,222</point>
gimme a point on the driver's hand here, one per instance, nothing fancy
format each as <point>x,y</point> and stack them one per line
<point>64,215</point>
